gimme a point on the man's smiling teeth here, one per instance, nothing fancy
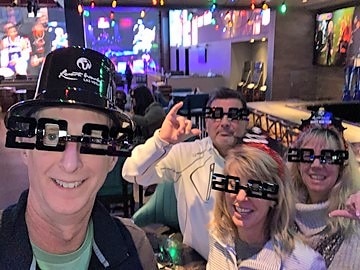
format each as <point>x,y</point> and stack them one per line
<point>68,184</point>
<point>317,177</point>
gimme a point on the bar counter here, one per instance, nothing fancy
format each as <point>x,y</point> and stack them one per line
<point>294,111</point>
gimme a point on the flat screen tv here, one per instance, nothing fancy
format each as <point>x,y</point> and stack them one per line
<point>25,40</point>
<point>125,35</point>
<point>336,40</point>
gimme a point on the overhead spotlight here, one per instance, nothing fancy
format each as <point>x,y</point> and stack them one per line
<point>113,4</point>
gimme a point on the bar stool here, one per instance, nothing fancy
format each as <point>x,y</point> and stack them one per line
<point>193,109</point>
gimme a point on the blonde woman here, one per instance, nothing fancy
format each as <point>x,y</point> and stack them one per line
<point>325,174</point>
<point>254,213</point>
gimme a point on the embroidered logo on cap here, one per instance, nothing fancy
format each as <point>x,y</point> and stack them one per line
<point>83,63</point>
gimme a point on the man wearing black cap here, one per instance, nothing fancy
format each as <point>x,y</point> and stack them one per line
<point>71,135</point>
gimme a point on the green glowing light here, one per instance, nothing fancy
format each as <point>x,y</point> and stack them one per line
<point>283,8</point>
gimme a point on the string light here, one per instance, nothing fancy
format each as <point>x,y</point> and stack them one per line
<point>80,8</point>
<point>213,6</point>
<point>162,2</point>
<point>142,13</point>
<point>252,6</point>
<point>113,4</point>
<point>265,5</point>
<point>283,8</point>
<point>154,2</point>
<point>92,4</point>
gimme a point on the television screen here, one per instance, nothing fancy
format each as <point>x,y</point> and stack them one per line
<point>190,27</point>
<point>334,36</point>
<point>25,40</point>
<point>125,35</point>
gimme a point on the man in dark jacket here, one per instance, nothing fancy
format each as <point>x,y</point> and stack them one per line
<point>71,134</point>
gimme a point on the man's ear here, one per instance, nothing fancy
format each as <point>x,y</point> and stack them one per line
<point>206,124</point>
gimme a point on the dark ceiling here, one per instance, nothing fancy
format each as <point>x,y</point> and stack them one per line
<point>310,4</point>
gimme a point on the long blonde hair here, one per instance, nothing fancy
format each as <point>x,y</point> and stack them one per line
<point>258,165</point>
<point>348,181</point>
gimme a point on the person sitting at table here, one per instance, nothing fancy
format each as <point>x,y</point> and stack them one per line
<point>253,215</point>
<point>120,99</point>
<point>325,177</point>
<point>147,114</point>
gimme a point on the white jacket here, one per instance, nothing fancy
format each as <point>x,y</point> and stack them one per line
<point>188,164</point>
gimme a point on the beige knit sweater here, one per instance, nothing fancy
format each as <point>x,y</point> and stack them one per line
<point>311,221</point>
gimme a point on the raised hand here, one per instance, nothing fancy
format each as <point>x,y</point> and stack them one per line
<point>352,209</point>
<point>176,128</point>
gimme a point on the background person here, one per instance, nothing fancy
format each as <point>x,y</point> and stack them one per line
<point>165,157</point>
<point>128,76</point>
<point>57,223</point>
<point>148,114</point>
<point>120,99</point>
<point>253,215</point>
<point>325,174</point>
